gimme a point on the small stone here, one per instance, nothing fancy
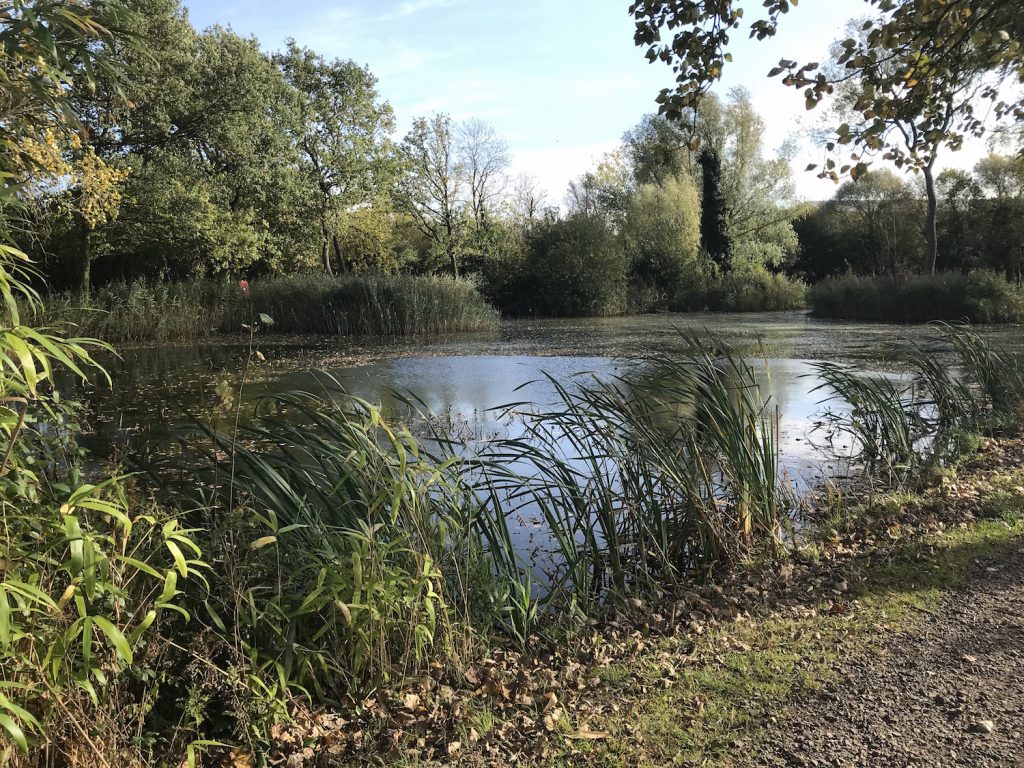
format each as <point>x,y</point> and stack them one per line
<point>983,726</point>
<point>969,659</point>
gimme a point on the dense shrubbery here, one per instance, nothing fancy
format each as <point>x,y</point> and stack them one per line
<point>741,292</point>
<point>572,267</point>
<point>386,305</point>
<point>978,297</point>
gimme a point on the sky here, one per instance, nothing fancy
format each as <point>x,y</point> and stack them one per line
<point>561,80</point>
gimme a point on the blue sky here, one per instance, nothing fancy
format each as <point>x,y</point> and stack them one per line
<point>560,79</point>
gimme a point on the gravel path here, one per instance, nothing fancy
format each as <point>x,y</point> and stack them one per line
<point>931,696</point>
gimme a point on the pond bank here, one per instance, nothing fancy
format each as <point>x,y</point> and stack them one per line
<point>739,673</point>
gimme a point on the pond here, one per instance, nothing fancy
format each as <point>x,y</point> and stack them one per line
<point>465,377</point>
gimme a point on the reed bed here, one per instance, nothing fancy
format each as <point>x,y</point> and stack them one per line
<point>978,297</point>
<point>382,305</point>
<point>959,385</point>
<point>401,541</point>
<point>758,291</point>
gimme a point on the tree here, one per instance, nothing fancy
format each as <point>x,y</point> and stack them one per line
<point>657,149</point>
<point>714,212</point>
<point>920,68</point>
<point>343,135</point>
<point>484,155</point>
<point>884,207</point>
<point>752,190</point>
<point>661,236</point>
<point>432,189</point>
<point>204,122</point>
<point>528,200</point>
<point>603,192</point>
<point>1001,176</point>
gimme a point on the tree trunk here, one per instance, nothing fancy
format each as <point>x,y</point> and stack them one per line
<point>325,247</point>
<point>931,235</point>
<point>342,265</point>
<point>455,264</point>
<point>85,276</point>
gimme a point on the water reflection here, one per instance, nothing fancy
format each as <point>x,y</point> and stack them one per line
<point>465,376</point>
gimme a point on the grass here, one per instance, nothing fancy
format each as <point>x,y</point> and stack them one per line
<point>382,305</point>
<point>739,676</point>
<point>978,297</point>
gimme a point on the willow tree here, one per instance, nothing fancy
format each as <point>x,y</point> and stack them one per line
<point>928,73</point>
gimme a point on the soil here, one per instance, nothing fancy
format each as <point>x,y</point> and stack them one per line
<point>948,693</point>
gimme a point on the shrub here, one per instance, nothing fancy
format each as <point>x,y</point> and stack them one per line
<point>574,268</point>
<point>757,291</point>
<point>978,297</point>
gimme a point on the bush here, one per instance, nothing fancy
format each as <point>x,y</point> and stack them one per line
<point>979,297</point>
<point>758,291</point>
<point>574,268</point>
<point>379,305</point>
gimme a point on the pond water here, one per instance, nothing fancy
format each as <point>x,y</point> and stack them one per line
<point>465,377</point>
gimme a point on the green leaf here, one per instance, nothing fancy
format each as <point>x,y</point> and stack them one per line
<point>116,638</point>
<point>17,735</point>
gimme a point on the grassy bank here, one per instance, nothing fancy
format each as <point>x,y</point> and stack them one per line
<point>347,305</point>
<point>329,578</point>
<point>979,297</point>
<point>774,633</point>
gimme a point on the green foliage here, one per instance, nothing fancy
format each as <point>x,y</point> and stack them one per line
<point>900,426</point>
<point>343,134</point>
<point>714,235</point>
<point>398,545</point>
<point>979,297</point>
<point>574,267</point>
<point>935,46</point>
<point>661,235</point>
<point>754,291</point>
<point>871,226</point>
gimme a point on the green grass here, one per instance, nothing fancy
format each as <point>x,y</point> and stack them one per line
<point>980,297</point>
<point>382,305</point>
<point>742,674</point>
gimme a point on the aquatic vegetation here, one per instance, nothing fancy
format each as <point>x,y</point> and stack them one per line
<point>978,297</point>
<point>382,305</point>
<point>755,291</point>
<point>960,384</point>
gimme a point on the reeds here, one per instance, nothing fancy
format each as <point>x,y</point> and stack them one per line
<point>384,305</point>
<point>979,297</point>
<point>398,541</point>
<point>758,291</point>
<point>959,385</point>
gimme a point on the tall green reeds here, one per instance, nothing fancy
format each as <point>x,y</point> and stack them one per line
<point>397,542</point>
<point>979,297</point>
<point>960,384</point>
<point>384,305</point>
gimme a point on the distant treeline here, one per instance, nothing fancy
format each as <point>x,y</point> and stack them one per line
<point>200,155</point>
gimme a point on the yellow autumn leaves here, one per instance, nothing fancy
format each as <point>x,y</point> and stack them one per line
<point>54,167</point>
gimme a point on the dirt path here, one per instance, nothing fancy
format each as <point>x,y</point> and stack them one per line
<point>929,697</point>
